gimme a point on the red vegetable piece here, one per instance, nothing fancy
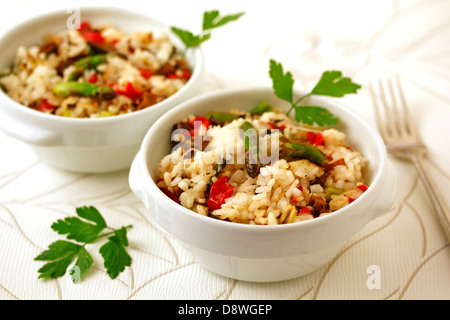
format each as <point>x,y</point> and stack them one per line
<point>304,210</point>
<point>84,26</point>
<point>204,121</point>
<point>314,139</point>
<point>146,73</point>
<point>186,74</point>
<point>220,191</point>
<point>130,91</point>
<point>93,36</point>
<point>45,106</point>
<point>318,140</point>
<point>362,187</point>
<point>310,136</point>
<point>93,78</point>
<point>195,124</point>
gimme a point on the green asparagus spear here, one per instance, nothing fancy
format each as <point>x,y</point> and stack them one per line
<point>261,108</point>
<point>91,62</point>
<point>303,151</point>
<point>85,89</point>
<point>222,117</point>
<point>252,163</point>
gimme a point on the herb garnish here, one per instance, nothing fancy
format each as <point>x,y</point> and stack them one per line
<point>61,252</point>
<point>332,84</point>
<point>211,20</point>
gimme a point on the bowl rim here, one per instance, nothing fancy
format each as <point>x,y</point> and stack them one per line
<point>196,55</point>
<point>154,191</point>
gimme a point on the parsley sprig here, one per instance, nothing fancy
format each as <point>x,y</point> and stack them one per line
<point>332,84</point>
<point>211,20</point>
<point>61,253</point>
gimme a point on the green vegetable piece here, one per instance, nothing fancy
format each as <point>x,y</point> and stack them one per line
<point>330,190</point>
<point>261,108</point>
<point>91,62</point>
<point>85,89</point>
<point>222,117</point>
<point>303,151</point>
<point>250,136</point>
<point>75,74</point>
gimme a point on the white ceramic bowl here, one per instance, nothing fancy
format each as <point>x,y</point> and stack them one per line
<point>253,252</point>
<point>86,145</point>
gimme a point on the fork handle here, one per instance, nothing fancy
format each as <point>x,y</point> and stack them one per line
<point>434,193</point>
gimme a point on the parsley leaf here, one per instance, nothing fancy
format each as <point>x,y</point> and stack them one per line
<point>114,253</point>
<point>211,20</point>
<point>311,115</point>
<point>334,85</point>
<point>79,230</point>
<point>83,263</point>
<point>331,83</point>
<point>61,253</point>
<point>189,39</point>
<point>283,83</point>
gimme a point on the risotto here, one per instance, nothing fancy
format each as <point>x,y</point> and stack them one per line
<point>93,72</point>
<point>260,168</point>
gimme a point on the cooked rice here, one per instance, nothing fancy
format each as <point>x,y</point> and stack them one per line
<point>38,69</point>
<point>279,186</point>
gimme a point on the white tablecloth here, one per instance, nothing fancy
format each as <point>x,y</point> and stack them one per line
<point>366,39</point>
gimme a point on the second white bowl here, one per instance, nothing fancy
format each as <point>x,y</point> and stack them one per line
<point>86,145</point>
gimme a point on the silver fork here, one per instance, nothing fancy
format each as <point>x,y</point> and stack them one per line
<point>401,139</point>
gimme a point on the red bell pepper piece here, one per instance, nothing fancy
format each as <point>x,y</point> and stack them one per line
<point>362,187</point>
<point>146,73</point>
<point>315,139</point>
<point>93,78</point>
<point>194,123</point>
<point>220,191</point>
<point>130,91</point>
<point>304,210</point>
<point>45,106</point>
<point>93,36</point>
<point>84,26</point>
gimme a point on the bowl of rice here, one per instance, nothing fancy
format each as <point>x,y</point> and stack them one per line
<point>82,88</point>
<point>266,206</point>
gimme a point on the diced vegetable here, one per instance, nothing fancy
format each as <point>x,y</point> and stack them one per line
<point>91,62</point>
<point>330,190</point>
<point>93,36</point>
<point>303,151</point>
<point>252,163</point>
<point>130,91</point>
<point>261,108</point>
<point>288,215</point>
<point>220,191</point>
<point>222,117</point>
<point>45,106</point>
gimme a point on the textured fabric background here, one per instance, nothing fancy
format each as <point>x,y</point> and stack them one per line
<point>366,39</point>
